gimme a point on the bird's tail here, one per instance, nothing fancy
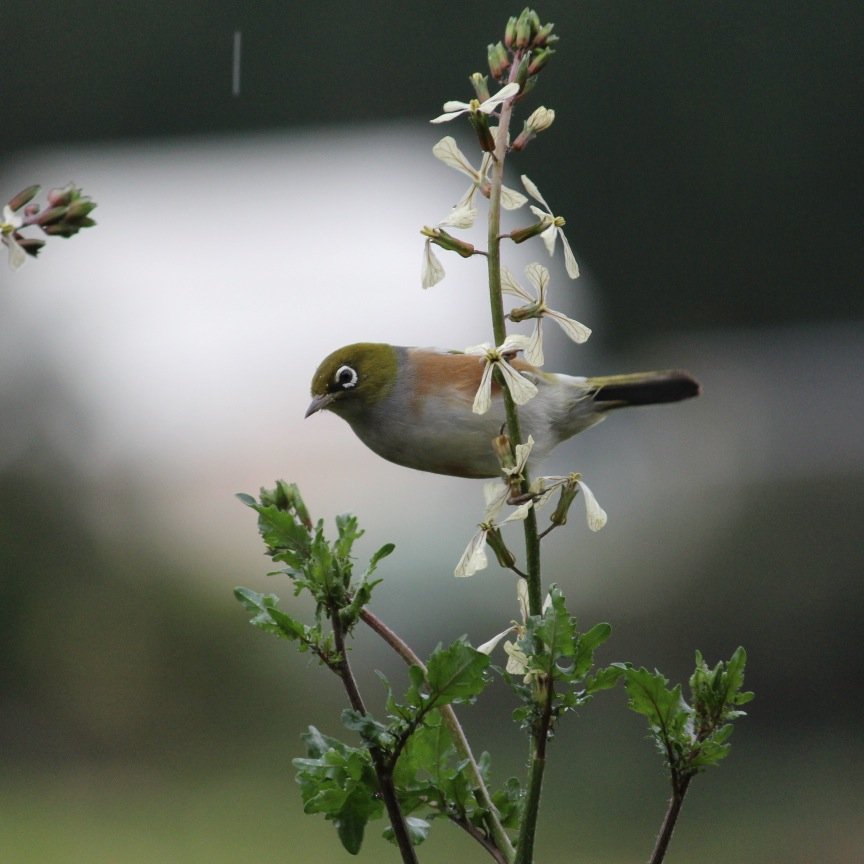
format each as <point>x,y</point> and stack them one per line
<point>642,388</point>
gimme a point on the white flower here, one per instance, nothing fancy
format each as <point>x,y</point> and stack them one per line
<point>454,109</point>
<point>543,487</point>
<point>474,556</point>
<point>521,389</point>
<point>10,224</point>
<point>538,276</point>
<point>556,224</point>
<point>449,153</point>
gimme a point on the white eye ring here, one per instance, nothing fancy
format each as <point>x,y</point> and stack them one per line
<point>346,377</point>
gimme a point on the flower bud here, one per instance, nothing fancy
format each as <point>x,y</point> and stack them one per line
<point>499,61</point>
<point>539,59</point>
<point>524,33</point>
<point>544,36</point>
<point>480,84</point>
<point>51,216</point>
<point>503,451</point>
<point>540,120</point>
<point>510,32</point>
<point>62,197</point>
<point>23,197</point>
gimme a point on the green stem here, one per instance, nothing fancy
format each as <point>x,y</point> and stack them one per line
<point>539,732</point>
<point>679,790</point>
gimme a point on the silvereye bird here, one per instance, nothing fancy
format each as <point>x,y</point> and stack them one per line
<point>413,406</point>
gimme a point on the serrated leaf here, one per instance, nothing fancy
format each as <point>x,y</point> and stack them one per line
<point>665,709</point>
<point>604,679</point>
<point>556,628</point>
<point>456,673</point>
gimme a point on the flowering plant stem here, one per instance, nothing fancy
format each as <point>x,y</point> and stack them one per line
<point>540,729</point>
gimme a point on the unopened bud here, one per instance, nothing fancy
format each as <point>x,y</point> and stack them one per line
<point>51,216</point>
<point>510,32</point>
<point>480,84</point>
<point>503,451</point>
<point>544,36</point>
<point>524,33</point>
<point>61,197</point>
<point>540,120</point>
<point>499,61</point>
<point>539,59</point>
<point>521,76</point>
<point>23,197</point>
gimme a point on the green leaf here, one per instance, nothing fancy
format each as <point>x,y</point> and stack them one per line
<point>339,781</point>
<point>456,673</point>
<point>665,709</point>
<point>380,555</point>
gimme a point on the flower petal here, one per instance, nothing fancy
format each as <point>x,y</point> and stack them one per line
<point>521,389</point>
<point>474,556</point>
<point>510,199</point>
<point>449,153</point>
<point>483,399</point>
<point>461,216</point>
<point>570,264</point>
<point>549,236</point>
<point>489,647</point>
<point>510,286</point>
<point>432,271</point>
<point>495,494</point>
<point>574,329</point>
<point>538,276</point>
<point>502,95</point>
<point>534,351</point>
<point>595,513</point>
<point>534,192</point>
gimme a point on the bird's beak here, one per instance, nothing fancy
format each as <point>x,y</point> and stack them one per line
<point>319,402</point>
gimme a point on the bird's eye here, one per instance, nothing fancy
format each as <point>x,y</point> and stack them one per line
<point>345,378</point>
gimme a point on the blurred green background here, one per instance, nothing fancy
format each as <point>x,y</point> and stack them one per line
<point>707,157</point>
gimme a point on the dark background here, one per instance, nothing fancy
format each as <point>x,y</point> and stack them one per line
<point>713,154</point>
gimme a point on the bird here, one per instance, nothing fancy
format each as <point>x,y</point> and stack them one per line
<point>413,406</point>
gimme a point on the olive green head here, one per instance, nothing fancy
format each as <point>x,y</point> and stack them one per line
<point>354,377</point>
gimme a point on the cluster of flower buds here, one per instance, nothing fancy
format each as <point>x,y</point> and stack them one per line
<point>527,45</point>
<point>66,213</point>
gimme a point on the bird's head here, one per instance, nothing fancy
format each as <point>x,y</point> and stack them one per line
<point>354,378</point>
